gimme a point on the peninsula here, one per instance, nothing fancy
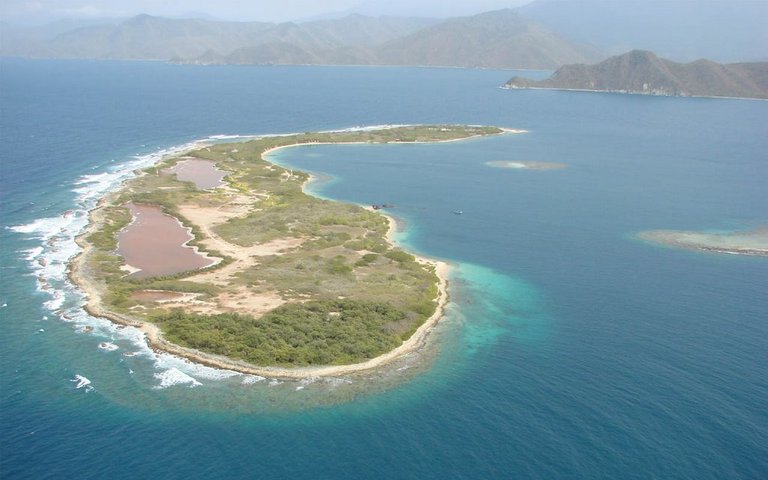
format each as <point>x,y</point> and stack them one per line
<point>642,72</point>
<point>220,257</point>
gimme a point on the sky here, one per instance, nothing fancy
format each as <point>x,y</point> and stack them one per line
<point>39,11</point>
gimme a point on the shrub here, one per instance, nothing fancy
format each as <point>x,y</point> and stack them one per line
<point>400,256</point>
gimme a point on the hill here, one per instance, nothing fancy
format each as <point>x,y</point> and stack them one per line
<point>498,39</point>
<point>644,73</point>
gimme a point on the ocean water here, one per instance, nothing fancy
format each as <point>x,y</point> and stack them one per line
<point>570,349</point>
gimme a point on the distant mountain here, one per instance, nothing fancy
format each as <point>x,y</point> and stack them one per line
<point>643,72</point>
<point>142,37</point>
<point>33,40</point>
<point>284,53</point>
<point>156,38</point>
<point>364,31</point>
<point>721,30</point>
<point>498,39</point>
<point>344,41</point>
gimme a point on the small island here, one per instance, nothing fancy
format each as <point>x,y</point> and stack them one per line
<point>753,242</point>
<point>525,165</point>
<point>219,256</point>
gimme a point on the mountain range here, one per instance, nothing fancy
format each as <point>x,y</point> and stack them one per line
<point>156,38</point>
<point>544,34</point>
<point>643,72</point>
<point>500,39</point>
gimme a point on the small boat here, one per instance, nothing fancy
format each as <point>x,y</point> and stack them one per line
<point>457,212</point>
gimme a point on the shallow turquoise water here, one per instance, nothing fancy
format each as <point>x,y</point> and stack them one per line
<point>570,348</point>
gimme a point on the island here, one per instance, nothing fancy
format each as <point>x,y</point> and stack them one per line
<point>642,72</point>
<point>751,242</point>
<point>219,256</point>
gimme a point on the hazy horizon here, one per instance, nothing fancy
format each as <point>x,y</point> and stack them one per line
<point>38,12</point>
<point>680,30</point>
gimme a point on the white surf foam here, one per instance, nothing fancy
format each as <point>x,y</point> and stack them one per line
<point>32,253</point>
<point>166,361</point>
<point>337,381</point>
<point>368,128</point>
<point>56,302</point>
<point>108,346</point>
<point>251,379</point>
<point>172,377</point>
<point>82,382</point>
<point>308,380</point>
<point>229,137</point>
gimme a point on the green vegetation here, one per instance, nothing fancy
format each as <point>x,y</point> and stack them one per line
<point>298,334</point>
<point>115,218</point>
<point>349,295</point>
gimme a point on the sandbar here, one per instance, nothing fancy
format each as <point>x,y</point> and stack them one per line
<point>751,242</point>
<point>525,165</point>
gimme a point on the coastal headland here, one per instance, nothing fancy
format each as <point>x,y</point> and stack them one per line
<point>260,277</point>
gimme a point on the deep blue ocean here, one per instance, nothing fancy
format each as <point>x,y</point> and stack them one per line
<point>570,348</point>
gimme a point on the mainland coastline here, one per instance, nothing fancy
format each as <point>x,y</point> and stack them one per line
<point>205,226</point>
